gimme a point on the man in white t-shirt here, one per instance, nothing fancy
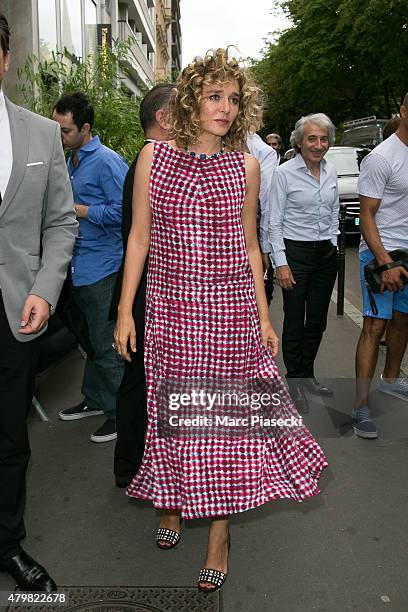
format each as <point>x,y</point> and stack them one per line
<point>383,190</point>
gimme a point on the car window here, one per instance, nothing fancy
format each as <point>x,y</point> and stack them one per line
<point>345,160</point>
<point>366,134</point>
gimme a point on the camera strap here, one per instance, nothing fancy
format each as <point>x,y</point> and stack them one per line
<point>371,297</point>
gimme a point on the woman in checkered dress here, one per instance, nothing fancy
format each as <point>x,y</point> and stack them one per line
<point>207,317</point>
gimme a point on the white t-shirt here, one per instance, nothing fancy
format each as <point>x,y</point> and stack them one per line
<point>384,176</point>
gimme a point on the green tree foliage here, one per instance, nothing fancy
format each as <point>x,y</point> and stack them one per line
<point>346,58</point>
<point>116,112</point>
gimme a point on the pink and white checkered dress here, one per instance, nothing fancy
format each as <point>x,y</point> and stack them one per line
<point>202,322</point>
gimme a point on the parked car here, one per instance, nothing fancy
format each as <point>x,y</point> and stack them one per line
<point>289,154</point>
<point>365,132</point>
<point>347,162</point>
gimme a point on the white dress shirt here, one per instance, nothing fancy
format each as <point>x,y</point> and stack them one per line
<point>6,149</point>
<point>303,207</point>
<point>268,162</point>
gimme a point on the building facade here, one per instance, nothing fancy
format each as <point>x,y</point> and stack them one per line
<point>41,27</point>
<point>163,39</point>
<point>175,37</point>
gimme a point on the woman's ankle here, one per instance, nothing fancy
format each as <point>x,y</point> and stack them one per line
<point>170,516</point>
<point>219,527</point>
<point>171,513</point>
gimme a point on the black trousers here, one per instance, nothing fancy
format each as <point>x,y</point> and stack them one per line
<point>131,419</point>
<point>314,268</point>
<point>131,399</point>
<point>18,364</point>
<point>269,285</point>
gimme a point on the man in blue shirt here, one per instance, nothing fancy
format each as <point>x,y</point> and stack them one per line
<point>97,175</point>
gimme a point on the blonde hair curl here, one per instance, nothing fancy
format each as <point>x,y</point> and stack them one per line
<point>215,67</point>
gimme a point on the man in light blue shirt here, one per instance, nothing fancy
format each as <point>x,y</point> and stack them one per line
<point>97,175</point>
<point>303,234</point>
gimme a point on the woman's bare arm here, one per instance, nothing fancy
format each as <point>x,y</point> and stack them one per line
<point>248,215</point>
<point>137,249</point>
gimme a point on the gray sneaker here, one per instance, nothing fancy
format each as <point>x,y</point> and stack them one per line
<point>363,424</point>
<point>399,388</point>
<point>80,411</point>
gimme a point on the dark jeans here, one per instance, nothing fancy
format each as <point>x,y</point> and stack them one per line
<point>314,268</point>
<point>18,364</point>
<point>103,375</point>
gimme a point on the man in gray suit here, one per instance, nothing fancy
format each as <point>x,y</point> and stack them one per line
<point>37,234</point>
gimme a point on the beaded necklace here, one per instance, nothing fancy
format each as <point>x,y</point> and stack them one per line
<point>204,155</point>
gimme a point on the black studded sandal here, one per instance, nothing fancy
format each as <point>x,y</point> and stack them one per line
<point>167,535</point>
<point>212,576</point>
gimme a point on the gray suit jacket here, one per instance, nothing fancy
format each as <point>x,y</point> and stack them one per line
<point>37,221</point>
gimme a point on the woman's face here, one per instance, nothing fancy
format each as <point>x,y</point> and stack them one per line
<point>219,107</point>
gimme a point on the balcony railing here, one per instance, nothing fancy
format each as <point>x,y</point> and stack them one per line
<point>139,11</point>
<point>147,16</point>
<point>139,52</point>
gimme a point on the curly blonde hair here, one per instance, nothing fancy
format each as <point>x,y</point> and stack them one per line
<point>215,67</point>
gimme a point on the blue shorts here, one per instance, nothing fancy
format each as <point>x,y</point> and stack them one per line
<point>387,301</point>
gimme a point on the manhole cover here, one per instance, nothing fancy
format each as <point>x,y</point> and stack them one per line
<point>128,599</point>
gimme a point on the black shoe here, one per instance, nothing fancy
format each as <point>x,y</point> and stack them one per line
<point>123,481</point>
<point>106,432</point>
<point>124,475</point>
<point>299,398</point>
<point>313,386</point>
<point>28,574</point>
<point>80,411</point>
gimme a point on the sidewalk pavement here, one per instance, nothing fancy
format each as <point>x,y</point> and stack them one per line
<point>342,550</point>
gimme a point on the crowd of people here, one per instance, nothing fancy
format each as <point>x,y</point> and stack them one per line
<point>170,265</point>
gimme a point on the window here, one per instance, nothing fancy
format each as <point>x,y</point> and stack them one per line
<point>91,34</point>
<point>345,160</point>
<point>47,28</point>
<point>71,27</point>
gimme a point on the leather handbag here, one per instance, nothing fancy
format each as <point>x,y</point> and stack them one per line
<point>372,273</point>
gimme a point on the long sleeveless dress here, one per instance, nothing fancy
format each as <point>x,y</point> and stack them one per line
<point>202,323</point>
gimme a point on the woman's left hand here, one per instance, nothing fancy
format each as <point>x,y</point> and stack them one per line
<point>269,338</point>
